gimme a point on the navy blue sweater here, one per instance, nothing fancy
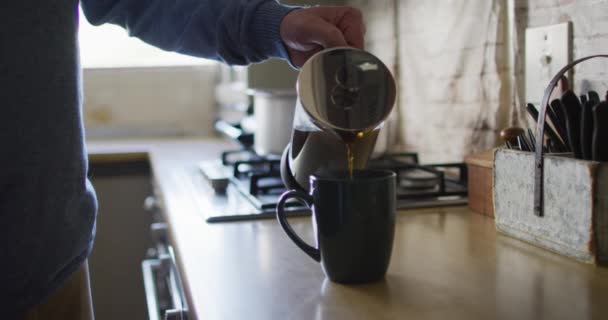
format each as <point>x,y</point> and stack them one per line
<point>47,205</point>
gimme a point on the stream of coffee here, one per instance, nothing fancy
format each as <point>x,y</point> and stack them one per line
<point>349,138</point>
<point>316,151</point>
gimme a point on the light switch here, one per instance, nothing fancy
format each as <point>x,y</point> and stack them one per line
<point>548,49</point>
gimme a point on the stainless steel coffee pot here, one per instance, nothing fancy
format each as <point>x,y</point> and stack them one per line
<point>341,92</point>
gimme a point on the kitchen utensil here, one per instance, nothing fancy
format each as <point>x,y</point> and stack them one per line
<point>587,128</point>
<point>344,96</point>
<point>521,142</point>
<point>556,114</point>
<point>509,136</point>
<point>354,223</point>
<point>550,146</point>
<point>567,196</point>
<point>548,130</point>
<point>273,113</point>
<point>531,137</point>
<point>600,132</point>
<point>556,106</point>
<point>572,111</point>
<point>594,96</point>
<point>568,98</point>
<point>564,84</point>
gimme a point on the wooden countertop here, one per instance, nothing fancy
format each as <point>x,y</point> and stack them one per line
<point>447,263</point>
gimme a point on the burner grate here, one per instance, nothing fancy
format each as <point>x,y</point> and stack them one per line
<point>246,162</point>
<point>390,160</point>
<point>266,183</point>
<point>416,181</point>
<point>248,178</point>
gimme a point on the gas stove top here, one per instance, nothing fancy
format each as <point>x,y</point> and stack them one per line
<point>245,186</point>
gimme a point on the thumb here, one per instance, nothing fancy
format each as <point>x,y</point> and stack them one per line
<point>324,34</point>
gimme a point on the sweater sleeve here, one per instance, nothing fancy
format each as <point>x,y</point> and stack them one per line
<point>232,31</point>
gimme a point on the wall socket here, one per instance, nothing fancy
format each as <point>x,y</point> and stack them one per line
<point>548,49</point>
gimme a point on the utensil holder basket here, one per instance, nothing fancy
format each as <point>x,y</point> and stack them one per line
<point>553,201</point>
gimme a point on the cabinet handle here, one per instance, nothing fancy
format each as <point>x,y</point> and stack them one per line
<point>174,315</point>
<point>165,267</point>
<point>148,267</point>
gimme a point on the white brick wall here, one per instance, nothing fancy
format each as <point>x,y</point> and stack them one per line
<point>453,73</point>
<point>589,20</point>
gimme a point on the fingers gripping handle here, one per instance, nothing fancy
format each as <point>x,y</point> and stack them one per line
<point>299,195</point>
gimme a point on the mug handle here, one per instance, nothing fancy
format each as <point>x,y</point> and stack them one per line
<point>304,197</point>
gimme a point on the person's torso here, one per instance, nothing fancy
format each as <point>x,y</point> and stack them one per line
<point>47,207</point>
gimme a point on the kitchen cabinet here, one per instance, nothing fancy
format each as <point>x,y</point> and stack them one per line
<point>122,237</point>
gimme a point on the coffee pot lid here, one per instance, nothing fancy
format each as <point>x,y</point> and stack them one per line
<point>346,89</point>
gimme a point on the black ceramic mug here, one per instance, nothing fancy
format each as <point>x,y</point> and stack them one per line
<point>354,222</point>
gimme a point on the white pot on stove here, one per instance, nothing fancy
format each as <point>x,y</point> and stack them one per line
<point>273,113</point>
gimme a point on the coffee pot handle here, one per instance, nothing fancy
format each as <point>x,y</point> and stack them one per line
<point>307,199</point>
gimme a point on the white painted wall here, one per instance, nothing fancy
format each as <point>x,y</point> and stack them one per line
<point>149,101</point>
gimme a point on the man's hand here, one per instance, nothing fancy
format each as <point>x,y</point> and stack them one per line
<point>308,31</point>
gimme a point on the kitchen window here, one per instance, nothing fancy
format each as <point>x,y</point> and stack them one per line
<point>109,46</point>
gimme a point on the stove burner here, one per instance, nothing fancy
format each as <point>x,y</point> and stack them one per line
<point>266,183</point>
<point>416,179</point>
<point>248,162</point>
<point>416,182</point>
